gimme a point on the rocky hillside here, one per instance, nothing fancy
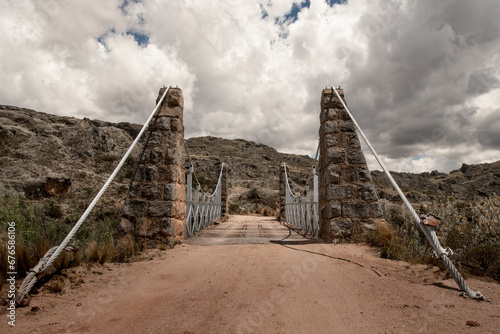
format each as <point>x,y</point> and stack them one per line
<point>43,155</point>
<point>469,183</point>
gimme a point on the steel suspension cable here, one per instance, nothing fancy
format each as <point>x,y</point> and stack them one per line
<point>31,279</point>
<point>430,236</point>
<point>191,164</point>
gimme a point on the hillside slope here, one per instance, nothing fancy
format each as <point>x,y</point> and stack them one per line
<point>35,146</point>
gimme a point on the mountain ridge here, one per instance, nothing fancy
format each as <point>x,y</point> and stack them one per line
<point>35,146</point>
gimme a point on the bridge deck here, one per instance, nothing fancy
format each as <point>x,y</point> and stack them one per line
<point>244,230</point>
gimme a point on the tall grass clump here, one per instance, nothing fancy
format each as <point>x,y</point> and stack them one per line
<point>471,230</point>
<point>400,239</point>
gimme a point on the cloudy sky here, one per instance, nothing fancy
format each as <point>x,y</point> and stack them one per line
<point>421,77</point>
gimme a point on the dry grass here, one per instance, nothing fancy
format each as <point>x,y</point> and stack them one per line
<point>23,259</point>
<point>268,212</point>
<point>125,248</point>
<point>42,246</point>
<point>100,253</point>
<point>3,259</point>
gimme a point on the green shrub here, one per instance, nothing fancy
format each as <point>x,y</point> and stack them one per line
<point>472,231</point>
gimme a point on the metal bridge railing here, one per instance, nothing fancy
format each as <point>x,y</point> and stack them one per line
<point>201,209</point>
<point>302,212</point>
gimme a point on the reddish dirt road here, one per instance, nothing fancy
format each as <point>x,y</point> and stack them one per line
<point>218,282</point>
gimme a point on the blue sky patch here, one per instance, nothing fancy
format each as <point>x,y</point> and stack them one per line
<point>141,38</point>
<point>293,14</point>
<point>263,11</point>
<point>417,158</point>
<point>102,39</point>
<point>336,2</point>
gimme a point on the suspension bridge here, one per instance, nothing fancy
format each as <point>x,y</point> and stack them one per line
<point>166,202</point>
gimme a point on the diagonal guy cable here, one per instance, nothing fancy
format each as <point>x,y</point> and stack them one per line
<point>430,236</point>
<point>45,263</point>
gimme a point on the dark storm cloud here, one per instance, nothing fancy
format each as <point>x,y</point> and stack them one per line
<point>421,77</point>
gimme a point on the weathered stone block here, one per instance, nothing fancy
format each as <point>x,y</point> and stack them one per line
<point>176,125</point>
<point>330,140</point>
<point>179,209</point>
<point>349,174</point>
<point>151,191</point>
<point>171,174</point>
<point>341,227</point>
<point>338,192</point>
<point>328,114</point>
<point>334,209</point>
<point>174,112</point>
<point>327,128</point>
<point>364,174</point>
<point>160,94</point>
<point>146,173</point>
<point>341,140</point>
<point>356,157</point>
<point>134,208</point>
<point>344,115</point>
<point>370,224</point>
<point>335,155</point>
<point>147,227</point>
<point>173,192</point>
<point>332,175</point>
<point>155,139</point>
<point>161,123</point>
<point>160,208</point>
<point>173,139</point>
<point>167,227</point>
<point>330,99</point>
<point>175,98</point>
<point>331,127</point>
<point>327,99</point>
<point>134,190</point>
<point>153,155</point>
<point>347,126</point>
<point>180,227</point>
<point>354,142</point>
<point>173,156</point>
<point>367,192</point>
<point>356,210</point>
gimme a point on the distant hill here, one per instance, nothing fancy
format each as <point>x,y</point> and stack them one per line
<point>35,145</point>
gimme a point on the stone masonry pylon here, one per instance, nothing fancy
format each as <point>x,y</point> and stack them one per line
<point>348,201</point>
<point>155,207</point>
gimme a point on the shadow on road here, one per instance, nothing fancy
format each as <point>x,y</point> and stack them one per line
<point>442,286</point>
<point>288,243</point>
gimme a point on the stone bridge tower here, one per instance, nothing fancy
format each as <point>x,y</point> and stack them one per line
<point>348,201</point>
<point>155,207</point>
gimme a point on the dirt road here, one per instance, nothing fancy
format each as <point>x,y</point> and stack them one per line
<point>218,282</point>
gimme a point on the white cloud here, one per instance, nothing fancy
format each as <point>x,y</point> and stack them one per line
<point>421,77</point>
